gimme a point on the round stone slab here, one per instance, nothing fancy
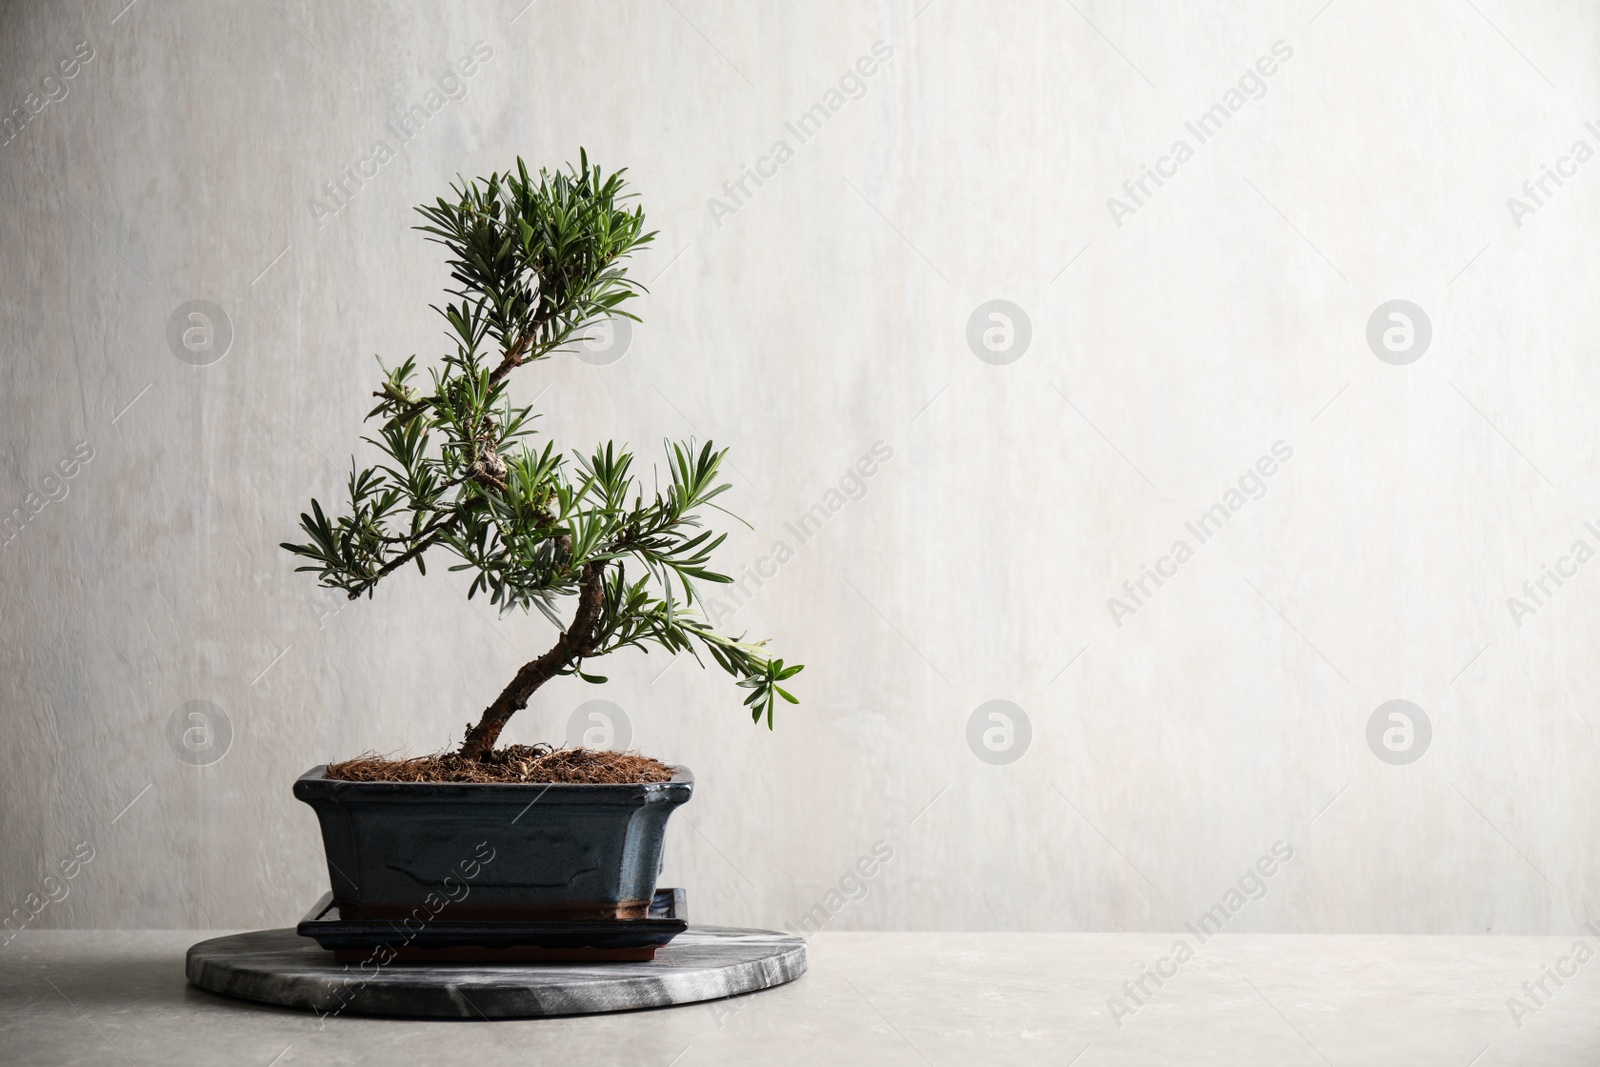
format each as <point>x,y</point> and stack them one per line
<point>702,963</point>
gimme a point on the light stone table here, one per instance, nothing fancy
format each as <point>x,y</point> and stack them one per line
<point>83,997</point>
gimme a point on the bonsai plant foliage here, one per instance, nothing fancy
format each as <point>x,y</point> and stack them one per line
<point>535,260</point>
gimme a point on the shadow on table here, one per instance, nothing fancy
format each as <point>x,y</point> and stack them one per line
<point>120,980</point>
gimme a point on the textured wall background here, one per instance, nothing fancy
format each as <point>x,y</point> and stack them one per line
<point>1173,341</point>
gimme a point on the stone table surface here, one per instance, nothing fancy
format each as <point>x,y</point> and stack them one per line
<point>120,997</point>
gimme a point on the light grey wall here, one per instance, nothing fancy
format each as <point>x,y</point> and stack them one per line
<point>1173,739</point>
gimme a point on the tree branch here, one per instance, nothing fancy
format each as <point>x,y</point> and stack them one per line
<point>570,648</point>
<point>512,360</point>
<point>432,537</point>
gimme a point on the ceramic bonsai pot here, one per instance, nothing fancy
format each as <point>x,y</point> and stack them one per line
<point>491,851</point>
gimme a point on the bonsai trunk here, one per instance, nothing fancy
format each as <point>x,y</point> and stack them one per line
<point>571,647</point>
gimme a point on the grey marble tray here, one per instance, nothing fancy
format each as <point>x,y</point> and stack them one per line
<point>356,940</point>
<point>702,963</point>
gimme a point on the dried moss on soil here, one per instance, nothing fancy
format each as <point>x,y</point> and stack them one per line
<point>515,763</point>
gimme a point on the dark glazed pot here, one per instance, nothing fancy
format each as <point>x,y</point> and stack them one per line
<point>492,850</point>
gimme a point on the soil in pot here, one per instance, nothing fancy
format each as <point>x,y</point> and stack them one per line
<point>514,763</point>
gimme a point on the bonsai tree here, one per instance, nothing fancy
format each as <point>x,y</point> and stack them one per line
<point>535,261</point>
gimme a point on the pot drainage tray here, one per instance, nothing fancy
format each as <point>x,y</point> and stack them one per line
<point>499,940</point>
